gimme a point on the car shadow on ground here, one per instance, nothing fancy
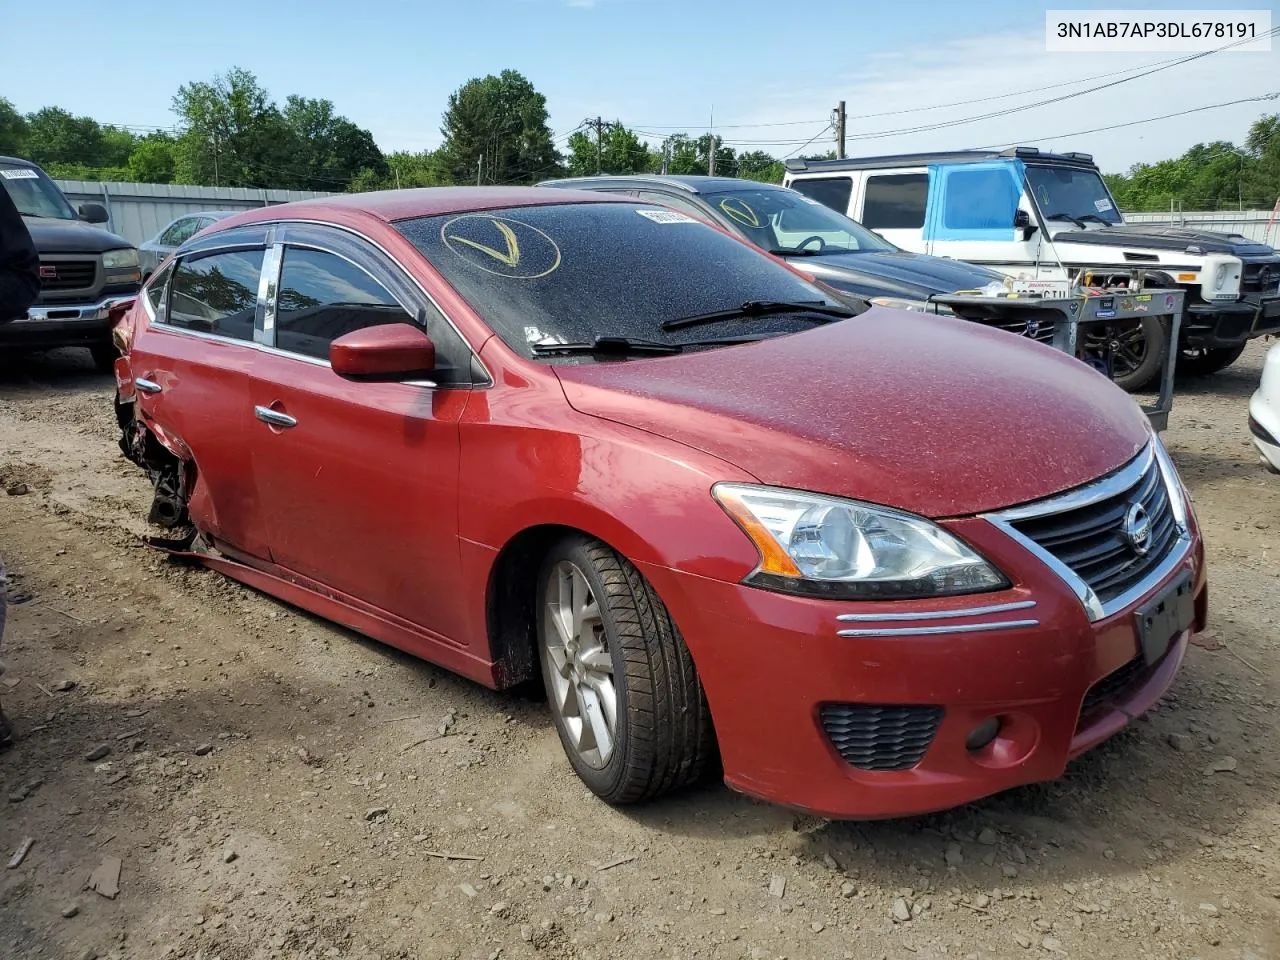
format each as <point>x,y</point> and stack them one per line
<point>69,369</point>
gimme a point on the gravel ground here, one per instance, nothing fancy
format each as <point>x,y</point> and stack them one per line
<point>268,785</point>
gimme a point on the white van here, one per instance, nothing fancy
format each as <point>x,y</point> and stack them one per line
<point>1044,216</point>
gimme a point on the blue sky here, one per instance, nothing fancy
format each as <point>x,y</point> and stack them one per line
<point>656,65</point>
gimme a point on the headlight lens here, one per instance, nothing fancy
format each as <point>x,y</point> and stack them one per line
<point>1219,275</point>
<point>919,306</point>
<point>831,547</point>
<point>120,259</point>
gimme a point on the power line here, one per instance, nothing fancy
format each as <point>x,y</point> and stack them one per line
<point>802,146</point>
<point>1066,96</point>
<point>1130,123</point>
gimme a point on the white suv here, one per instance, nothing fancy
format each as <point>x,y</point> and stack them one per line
<point>1264,412</point>
<point>1046,216</point>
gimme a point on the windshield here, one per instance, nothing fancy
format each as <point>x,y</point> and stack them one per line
<point>34,194</point>
<point>568,273</point>
<point>787,222</point>
<point>1066,193</point>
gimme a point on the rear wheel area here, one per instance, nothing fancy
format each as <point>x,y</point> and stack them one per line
<point>1203,361</point>
<point>624,694</point>
<point>104,357</point>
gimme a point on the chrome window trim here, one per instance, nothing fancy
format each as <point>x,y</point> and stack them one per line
<point>939,614</point>
<point>264,331</point>
<point>928,631</point>
<point>1117,482</point>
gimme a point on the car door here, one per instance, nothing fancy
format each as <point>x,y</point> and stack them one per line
<point>359,480</point>
<point>893,204</point>
<point>190,366</point>
<point>971,212</point>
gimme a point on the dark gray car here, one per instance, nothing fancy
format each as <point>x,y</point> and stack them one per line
<point>152,253</point>
<point>814,238</point>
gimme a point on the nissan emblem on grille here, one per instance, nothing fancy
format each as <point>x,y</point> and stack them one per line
<point>1137,529</point>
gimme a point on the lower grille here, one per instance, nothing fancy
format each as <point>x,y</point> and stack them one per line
<point>67,274</point>
<point>1116,687</point>
<point>1260,278</point>
<point>1093,540</point>
<point>875,737</point>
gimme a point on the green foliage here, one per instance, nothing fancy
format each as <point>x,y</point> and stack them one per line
<point>13,130</point>
<point>55,136</point>
<point>495,132</point>
<point>154,159</point>
<point>620,151</point>
<point>1212,176</point>
<point>758,165</point>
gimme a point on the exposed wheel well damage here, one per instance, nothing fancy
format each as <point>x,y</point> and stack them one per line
<point>172,476</point>
<point>511,602</point>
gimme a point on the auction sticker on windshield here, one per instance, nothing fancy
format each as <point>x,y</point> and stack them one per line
<point>666,216</point>
<point>20,173</point>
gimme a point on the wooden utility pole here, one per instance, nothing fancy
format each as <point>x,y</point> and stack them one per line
<point>479,169</point>
<point>711,145</point>
<point>840,130</point>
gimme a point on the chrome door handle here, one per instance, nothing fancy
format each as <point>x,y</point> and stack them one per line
<point>274,417</point>
<point>146,386</point>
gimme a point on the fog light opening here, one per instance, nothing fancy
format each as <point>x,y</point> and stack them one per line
<point>981,735</point>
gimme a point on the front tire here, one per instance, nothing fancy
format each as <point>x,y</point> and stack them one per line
<point>624,694</point>
<point>104,357</point>
<point>1204,361</point>
<point>1137,349</point>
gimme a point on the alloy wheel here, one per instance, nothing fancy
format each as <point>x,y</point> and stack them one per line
<point>579,665</point>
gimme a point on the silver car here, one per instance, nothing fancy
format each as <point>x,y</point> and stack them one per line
<point>152,253</point>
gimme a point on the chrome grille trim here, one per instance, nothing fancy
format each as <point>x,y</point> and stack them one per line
<point>927,631</point>
<point>938,614</point>
<point>1122,480</point>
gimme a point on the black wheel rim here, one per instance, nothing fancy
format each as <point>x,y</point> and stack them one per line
<point>1126,343</point>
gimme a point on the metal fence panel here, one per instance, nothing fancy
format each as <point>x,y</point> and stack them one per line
<point>139,211</point>
<point>1257,225</point>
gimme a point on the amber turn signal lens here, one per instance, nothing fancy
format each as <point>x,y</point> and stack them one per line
<point>773,559</point>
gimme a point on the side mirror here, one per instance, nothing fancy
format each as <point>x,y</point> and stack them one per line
<point>93,213</point>
<point>383,354</point>
<point>1022,221</point>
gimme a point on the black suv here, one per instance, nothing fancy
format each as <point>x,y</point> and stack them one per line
<point>816,239</point>
<point>86,273</point>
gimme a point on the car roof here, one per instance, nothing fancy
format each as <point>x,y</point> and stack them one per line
<point>392,205</point>
<point>686,183</point>
<point>20,162</point>
<point>1027,154</point>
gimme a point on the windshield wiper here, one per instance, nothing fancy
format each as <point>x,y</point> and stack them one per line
<point>806,252</point>
<point>812,310</point>
<point>1095,218</point>
<point>1078,221</point>
<point>608,345</point>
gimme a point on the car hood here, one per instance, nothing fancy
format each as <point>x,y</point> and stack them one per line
<point>932,415</point>
<point>895,273</point>
<point>1166,238</point>
<point>71,236</point>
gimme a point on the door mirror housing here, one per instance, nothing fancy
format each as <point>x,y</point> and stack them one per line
<point>387,353</point>
<point>1022,221</point>
<point>93,213</point>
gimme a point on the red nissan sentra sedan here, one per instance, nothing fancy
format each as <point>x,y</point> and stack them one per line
<point>876,563</point>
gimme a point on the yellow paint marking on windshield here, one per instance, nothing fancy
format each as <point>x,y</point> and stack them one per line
<point>510,258</point>
<point>740,211</point>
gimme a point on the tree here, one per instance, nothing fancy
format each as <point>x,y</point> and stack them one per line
<point>332,151</point>
<point>690,157</point>
<point>758,165</point>
<point>153,159</point>
<point>619,151</point>
<point>13,130</point>
<point>495,131</point>
<point>233,134</point>
<point>55,136</point>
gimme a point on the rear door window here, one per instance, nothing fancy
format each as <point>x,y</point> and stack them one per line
<point>833,192</point>
<point>322,297</point>
<point>895,201</point>
<point>179,231</point>
<point>216,294</point>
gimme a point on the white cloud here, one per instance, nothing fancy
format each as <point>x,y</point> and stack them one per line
<point>895,84</point>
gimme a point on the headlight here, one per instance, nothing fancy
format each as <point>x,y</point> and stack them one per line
<point>1219,275</point>
<point>120,259</point>
<point>830,547</point>
<point>919,306</point>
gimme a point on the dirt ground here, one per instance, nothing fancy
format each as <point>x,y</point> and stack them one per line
<point>273,786</point>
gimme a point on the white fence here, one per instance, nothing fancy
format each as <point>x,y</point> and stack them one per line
<point>139,211</point>
<point>1257,225</point>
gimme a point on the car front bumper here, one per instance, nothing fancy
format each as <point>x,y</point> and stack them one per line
<point>50,325</point>
<point>1230,324</point>
<point>1264,412</point>
<point>781,680</point>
